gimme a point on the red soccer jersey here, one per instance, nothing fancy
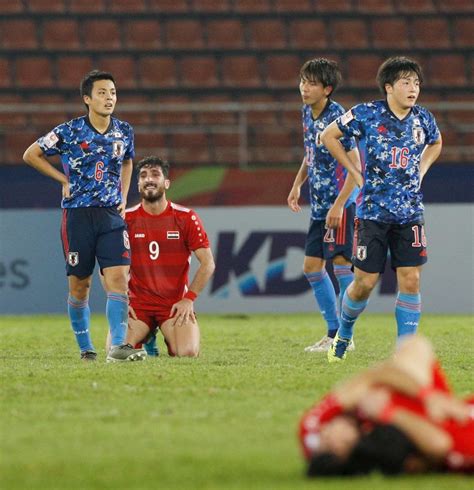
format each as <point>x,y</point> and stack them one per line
<point>161,253</point>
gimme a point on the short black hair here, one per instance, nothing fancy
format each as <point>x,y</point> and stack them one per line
<point>154,161</point>
<point>395,68</point>
<point>323,71</point>
<point>93,76</point>
<point>384,449</point>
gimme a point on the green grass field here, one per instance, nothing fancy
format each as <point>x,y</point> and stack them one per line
<point>224,421</point>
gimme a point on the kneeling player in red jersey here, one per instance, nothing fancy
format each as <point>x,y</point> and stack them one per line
<point>163,237</point>
<point>398,417</point>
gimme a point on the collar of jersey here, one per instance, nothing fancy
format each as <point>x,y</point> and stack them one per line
<point>390,111</point>
<point>109,127</point>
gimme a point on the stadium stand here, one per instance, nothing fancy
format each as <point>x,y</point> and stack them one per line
<point>217,79</point>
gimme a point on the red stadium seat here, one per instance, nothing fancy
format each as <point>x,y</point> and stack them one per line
<point>448,69</point>
<point>168,5</point>
<point>11,6</point>
<point>12,119</point>
<point>225,33</point>
<point>362,70</point>
<point>184,34</point>
<point>122,68</point>
<point>48,6</point>
<point>61,34</point>
<point>458,6</point>
<point>210,5</point>
<point>332,6</point>
<point>217,117</point>
<point>225,148</point>
<point>269,117</point>
<point>150,143</point>
<point>18,34</point>
<point>142,34</point>
<point>240,71</point>
<point>44,121</point>
<point>268,33</point>
<point>463,32</point>
<point>101,34</point>
<point>5,72</point>
<point>84,6</point>
<point>199,71</point>
<point>157,71</point>
<point>71,70</point>
<point>132,6</point>
<point>15,144</point>
<point>349,34</point>
<point>191,148</point>
<point>390,33</point>
<point>177,118</point>
<point>430,33</point>
<point>416,6</point>
<point>292,6</point>
<point>34,71</point>
<point>308,34</point>
<point>252,6</point>
<point>283,71</point>
<point>272,147</point>
<point>374,6</point>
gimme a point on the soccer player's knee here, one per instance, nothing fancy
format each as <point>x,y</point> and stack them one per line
<point>417,346</point>
<point>188,351</point>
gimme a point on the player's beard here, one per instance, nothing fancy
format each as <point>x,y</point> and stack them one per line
<point>152,195</point>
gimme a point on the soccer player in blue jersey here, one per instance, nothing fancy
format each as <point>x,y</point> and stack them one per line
<point>96,152</point>
<point>332,196</point>
<point>398,142</point>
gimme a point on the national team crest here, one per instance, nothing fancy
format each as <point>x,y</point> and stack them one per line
<point>126,240</point>
<point>118,148</point>
<point>73,258</point>
<point>361,252</point>
<point>418,135</point>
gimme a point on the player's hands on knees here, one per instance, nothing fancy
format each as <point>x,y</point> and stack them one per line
<point>131,313</point>
<point>334,216</point>
<point>182,312</point>
<point>441,406</point>
<point>293,198</point>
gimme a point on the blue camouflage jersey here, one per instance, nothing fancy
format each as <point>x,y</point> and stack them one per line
<point>390,151</point>
<point>326,177</point>
<point>91,160</point>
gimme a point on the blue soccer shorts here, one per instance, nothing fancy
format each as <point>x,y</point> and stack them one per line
<point>373,239</point>
<point>88,234</point>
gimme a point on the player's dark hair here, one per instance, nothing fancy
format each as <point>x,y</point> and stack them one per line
<point>395,68</point>
<point>323,71</point>
<point>153,161</point>
<point>94,76</point>
<point>384,449</point>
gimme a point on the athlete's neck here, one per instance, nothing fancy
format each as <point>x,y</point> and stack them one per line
<point>156,207</point>
<point>318,107</point>
<point>100,123</point>
<point>397,109</point>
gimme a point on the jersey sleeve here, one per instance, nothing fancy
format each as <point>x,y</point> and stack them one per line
<point>130,151</point>
<point>196,236</point>
<point>351,123</point>
<point>432,129</point>
<point>51,143</point>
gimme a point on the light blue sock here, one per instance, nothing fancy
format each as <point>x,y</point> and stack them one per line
<point>407,313</point>
<point>344,276</point>
<point>80,315</point>
<point>350,311</point>
<point>151,348</point>
<point>325,295</point>
<point>117,315</point>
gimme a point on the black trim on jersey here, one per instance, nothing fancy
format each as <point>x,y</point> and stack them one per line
<point>328,102</point>
<point>109,127</point>
<point>385,102</point>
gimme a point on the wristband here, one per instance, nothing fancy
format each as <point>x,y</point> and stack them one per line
<point>425,392</point>
<point>190,295</point>
<point>386,415</point>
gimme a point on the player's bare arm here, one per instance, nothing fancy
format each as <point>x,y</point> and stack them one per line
<point>183,310</point>
<point>125,177</point>
<point>334,216</point>
<point>294,195</point>
<point>34,157</point>
<point>429,156</point>
<point>330,138</point>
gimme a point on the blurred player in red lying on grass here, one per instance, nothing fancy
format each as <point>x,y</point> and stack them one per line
<point>397,417</point>
<point>163,237</point>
